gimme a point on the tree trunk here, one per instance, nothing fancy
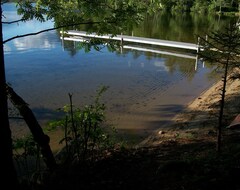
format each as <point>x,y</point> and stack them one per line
<point>7,168</point>
<point>35,128</point>
<point>219,132</point>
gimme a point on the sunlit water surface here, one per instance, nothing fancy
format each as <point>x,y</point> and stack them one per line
<point>145,89</point>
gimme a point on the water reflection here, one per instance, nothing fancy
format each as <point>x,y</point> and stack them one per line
<point>40,41</point>
<point>145,87</point>
<point>180,27</point>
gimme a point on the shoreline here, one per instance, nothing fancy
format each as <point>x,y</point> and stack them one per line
<point>199,119</point>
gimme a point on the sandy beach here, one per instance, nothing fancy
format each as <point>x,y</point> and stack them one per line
<point>200,118</point>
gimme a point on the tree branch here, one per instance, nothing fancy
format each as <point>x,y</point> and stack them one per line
<point>50,29</point>
<point>36,130</point>
<point>12,22</point>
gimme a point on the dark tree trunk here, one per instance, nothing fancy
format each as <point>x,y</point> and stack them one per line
<point>222,102</point>
<point>35,128</point>
<point>7,169</point>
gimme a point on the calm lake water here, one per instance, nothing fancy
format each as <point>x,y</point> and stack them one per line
<point>145,89</point>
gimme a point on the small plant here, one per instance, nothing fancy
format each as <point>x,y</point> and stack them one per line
<point>84,129</point>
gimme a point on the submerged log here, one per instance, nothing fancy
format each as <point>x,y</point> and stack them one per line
<point>36,130</point>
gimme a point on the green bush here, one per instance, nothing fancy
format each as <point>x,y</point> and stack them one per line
<point>84,129</point>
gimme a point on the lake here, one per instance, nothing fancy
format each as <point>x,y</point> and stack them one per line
<point>145,89</point>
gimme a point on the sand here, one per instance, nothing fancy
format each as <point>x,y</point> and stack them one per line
<point>200,118</point>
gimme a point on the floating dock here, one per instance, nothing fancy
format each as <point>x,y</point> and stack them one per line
<point>134,39</point>
<point>80,36</point>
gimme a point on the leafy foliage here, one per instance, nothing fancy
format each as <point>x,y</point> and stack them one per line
<point>73,13</point>
<point>84,129</point>
<point>26,154</point>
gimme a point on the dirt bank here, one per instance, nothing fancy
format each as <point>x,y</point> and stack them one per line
<point>200,118</point>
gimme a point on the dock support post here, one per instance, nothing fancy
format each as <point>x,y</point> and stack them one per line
<point>121,43</point>
<point>206,40</point>
<point>62,39</point>
<point>121,40</point>
<point>196,63</point>
<point>198,45</point>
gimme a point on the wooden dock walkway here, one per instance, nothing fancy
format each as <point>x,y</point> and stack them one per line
<point>134,39</point>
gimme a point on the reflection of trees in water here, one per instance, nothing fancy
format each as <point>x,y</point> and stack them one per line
<point>173,64</point>
<point>74,46</point>
<point>205,24</point>
<point>180,27</point>
<point>70,46</point>
<point>184,66</point>
<point>163,25</point>
<point>216,72</point>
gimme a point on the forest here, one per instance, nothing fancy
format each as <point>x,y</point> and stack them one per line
<point>202,6</point>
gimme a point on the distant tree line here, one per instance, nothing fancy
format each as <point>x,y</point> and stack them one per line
<point>200,6</point>
<point>204,6</point>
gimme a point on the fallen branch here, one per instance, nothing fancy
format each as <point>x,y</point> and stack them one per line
<point>36,130</point>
